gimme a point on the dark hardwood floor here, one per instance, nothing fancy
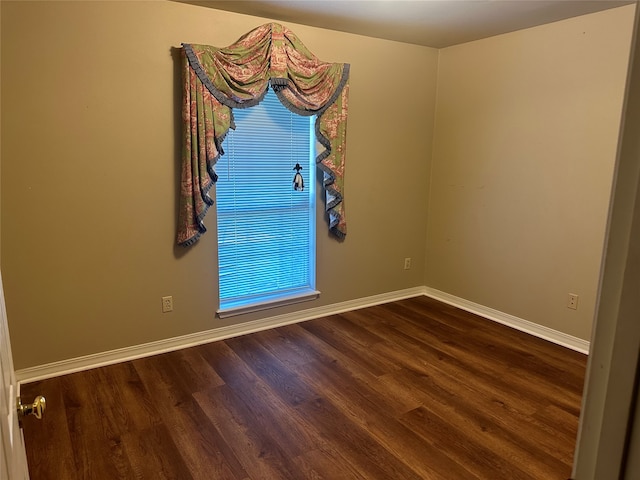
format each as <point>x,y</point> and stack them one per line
<point>413,389</point>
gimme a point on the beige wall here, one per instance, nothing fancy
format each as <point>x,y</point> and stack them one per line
<point>525,141</point>
<point>526,133</point>
<point>90,148</point>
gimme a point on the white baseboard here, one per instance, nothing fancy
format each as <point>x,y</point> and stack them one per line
<point>560,338</point>
<point>87,362</point>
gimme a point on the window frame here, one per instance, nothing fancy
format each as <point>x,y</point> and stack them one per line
<point>284,296</point>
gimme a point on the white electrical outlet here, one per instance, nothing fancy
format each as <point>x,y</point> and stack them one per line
<point>167,304</point>
<point>407,263</point>
<point>573,301</point>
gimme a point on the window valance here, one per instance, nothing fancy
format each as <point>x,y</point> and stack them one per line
<point>217,80</point>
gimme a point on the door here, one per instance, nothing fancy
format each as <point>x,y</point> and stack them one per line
<point>632,469</point>
<point>13,460</point>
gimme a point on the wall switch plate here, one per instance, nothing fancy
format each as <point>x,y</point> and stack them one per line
<point>167,304</point>
<point>407,263</point>
<point>573,301</point>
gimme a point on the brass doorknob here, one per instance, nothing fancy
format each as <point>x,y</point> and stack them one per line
<point>36,408</point>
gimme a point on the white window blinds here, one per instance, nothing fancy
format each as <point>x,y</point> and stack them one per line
<point>266,229</point>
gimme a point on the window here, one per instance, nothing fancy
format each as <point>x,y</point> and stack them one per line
<point>266,229</point>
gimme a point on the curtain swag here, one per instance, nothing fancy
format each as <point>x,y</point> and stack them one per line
<point>217,80</point>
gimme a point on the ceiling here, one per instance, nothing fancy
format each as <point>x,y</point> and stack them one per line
<point>432,23</point>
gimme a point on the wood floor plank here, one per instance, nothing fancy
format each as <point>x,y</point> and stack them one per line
<point>293,430</point>
<point>431,354</point>
<point>483,429</point>
<point>323,465</point>
<point>260,453</point>
<point>203,449</point>
<point>392,399</point>
<point>354,443</point>
<point>535,348</point>
<point>475,456</point>
<point>153,454</point>
<point>504,406</point>
<point>328,330</point>
<point>116,389</point>
<point>362,408</point>
<point>414,389</point>
<point>265,406</point>
<point>283,382</point>
<point>97,442</point>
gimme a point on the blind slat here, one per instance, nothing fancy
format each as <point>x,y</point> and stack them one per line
<point>266,229</point>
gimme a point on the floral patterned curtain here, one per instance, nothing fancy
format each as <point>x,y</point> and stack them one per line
<point>217,80</point>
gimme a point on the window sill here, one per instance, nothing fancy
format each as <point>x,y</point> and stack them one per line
<point>266,304</point>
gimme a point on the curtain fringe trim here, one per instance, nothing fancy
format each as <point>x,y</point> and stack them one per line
<point>207,199</point>
<point>277,84</point>
<point>192,240</point>
<point>194,63</point>
<point>340,235</point>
